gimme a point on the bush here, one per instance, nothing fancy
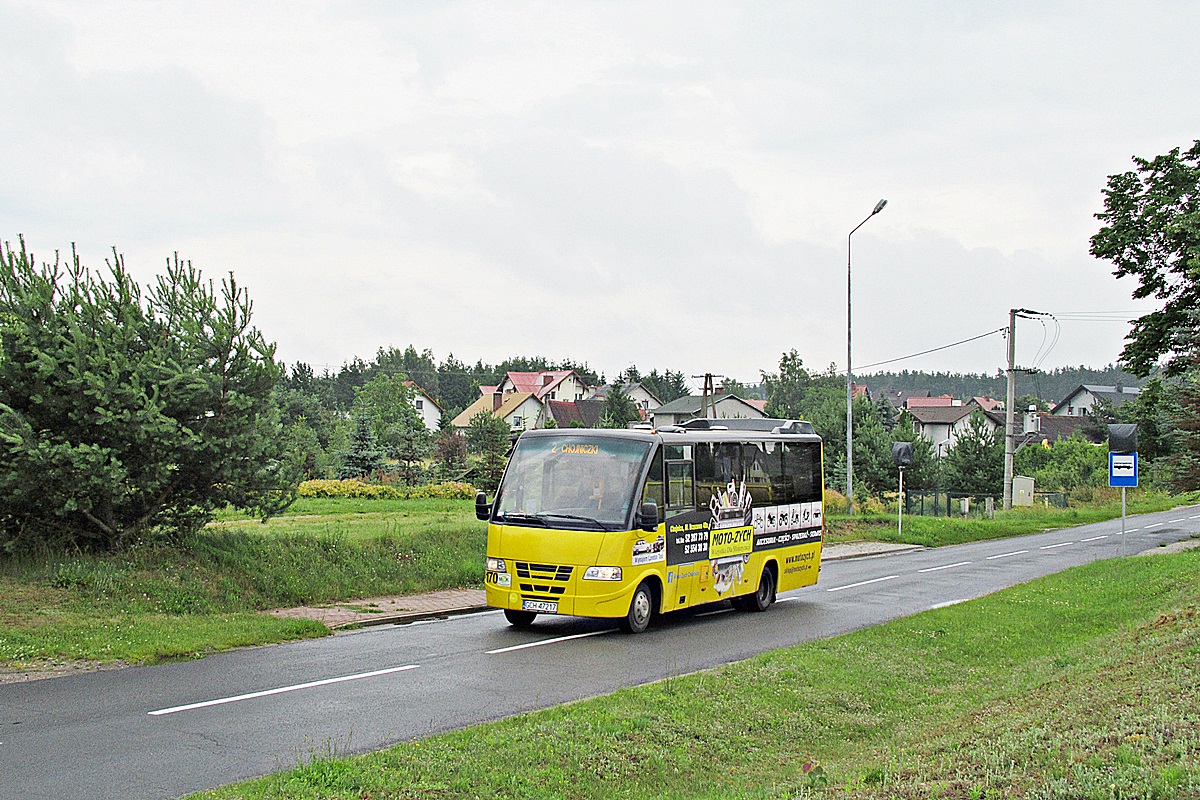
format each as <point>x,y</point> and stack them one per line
<point>451,490</point>
<point>835,502</point>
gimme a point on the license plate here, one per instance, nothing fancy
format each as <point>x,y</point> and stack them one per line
<point>541,606</point>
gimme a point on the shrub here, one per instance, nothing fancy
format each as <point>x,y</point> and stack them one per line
<point>835,502</point>
<point>451,490</point>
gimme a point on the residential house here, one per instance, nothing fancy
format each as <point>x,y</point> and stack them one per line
<point>988,403</point>
<point>681,409</point>
<point>1041,427</point>
<point>940,425</point>
<point>1084,397</point>
<point>576,413</point>
<point>941,401</point>
<point>558,384</point>
<point>898,398</point>
<point>643,398</point>
<point>520,398</point>
<point>521,410</point>
<point>427,407</point>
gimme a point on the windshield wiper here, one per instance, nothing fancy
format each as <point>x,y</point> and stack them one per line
<point>602,526</point>
<point>536,519</point>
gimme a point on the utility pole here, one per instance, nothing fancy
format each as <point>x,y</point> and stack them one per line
<point>1010,400</point>
<point>1010,434</point>
<point>708,394</point>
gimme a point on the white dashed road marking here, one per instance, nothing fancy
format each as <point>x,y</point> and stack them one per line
<point>1052,546</point>
<point>945,566</point>
<point>541,642</point>
<point>282,689</point>
<point>862,583</point>
<point>1006,555</point>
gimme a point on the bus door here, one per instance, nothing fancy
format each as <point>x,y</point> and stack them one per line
<point>687,539</point>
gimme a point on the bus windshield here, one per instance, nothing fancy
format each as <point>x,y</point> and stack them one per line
<point>573,482</point>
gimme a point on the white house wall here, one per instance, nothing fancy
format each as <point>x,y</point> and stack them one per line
<point>530,414</point>
<point>428,410</point>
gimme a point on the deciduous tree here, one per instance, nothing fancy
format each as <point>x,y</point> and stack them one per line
<point>1152,231</point>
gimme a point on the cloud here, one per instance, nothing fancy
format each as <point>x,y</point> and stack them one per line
<point>667,185</point>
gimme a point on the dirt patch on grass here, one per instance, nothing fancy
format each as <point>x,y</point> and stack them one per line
<point>54,669</point>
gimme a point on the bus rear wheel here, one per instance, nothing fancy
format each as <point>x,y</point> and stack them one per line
<point>519,619</point>
<point>641,610</point>
<point>761,600</point>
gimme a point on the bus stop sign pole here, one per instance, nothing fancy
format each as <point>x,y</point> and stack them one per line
<point>1122,464</point>
<point>902,456</point>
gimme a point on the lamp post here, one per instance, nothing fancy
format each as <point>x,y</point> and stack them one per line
<point>850,372</point>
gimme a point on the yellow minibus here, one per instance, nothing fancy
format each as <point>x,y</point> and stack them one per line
<point>628,524</point>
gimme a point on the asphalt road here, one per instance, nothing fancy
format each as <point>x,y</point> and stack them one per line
<point>166,731</point>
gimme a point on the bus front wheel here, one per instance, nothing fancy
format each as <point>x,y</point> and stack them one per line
<point>641,610</point>
<point>519,619</point>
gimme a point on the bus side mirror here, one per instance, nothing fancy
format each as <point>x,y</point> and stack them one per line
<point>647,517</point>
<point>483,509</point>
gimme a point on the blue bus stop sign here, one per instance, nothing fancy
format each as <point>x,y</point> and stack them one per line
<point>1123,469</point>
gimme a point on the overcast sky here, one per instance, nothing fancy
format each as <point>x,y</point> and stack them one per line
<point>666,184</point>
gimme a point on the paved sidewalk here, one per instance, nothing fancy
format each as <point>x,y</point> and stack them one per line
<point>408,608</point>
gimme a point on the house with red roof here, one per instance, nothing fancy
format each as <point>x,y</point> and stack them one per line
<point>555,384</point>
<point>521,398</point>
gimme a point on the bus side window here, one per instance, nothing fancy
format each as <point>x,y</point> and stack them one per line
<point>708,482</point>
<point>653,491</point>
<point>802,467</point>
<point>681,492</point>
<point>758,480</point>
<point>773,466</point>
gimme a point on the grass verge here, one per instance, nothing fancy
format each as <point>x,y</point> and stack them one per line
<point>941,531</point>
<point>156,601</point>
<point>1084,684</point>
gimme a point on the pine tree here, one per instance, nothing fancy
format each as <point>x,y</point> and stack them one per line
<point>488,437</point>
<point>362,459</point>
<point>123,412</point>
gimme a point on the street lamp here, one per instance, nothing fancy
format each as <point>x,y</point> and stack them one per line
<point>850,373</point>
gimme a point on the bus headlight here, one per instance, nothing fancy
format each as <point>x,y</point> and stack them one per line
<point>602,574</point>
<point>495,565</point>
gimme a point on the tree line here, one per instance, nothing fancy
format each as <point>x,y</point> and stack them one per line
<point>127,410</point>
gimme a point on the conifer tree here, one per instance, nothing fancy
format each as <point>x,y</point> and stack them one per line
<point>363,458</point>
<point>123,412</point>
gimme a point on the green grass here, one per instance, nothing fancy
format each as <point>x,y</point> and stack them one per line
<point>156,601</point>
<point>941,531</point>
<point>1084,684</point>
<point>459,510</point>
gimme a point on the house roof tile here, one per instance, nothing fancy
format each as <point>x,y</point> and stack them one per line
<point>940,415</point>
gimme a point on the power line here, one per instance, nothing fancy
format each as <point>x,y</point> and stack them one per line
<point>927,352</point>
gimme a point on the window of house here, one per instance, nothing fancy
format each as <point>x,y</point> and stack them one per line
<point>516,422</point>
<point>420,404</point>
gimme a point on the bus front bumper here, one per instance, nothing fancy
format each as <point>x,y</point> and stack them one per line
<point>593,602</point>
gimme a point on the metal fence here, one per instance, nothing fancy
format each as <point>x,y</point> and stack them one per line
<point>1055,499</point>
<point>949,504</point>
